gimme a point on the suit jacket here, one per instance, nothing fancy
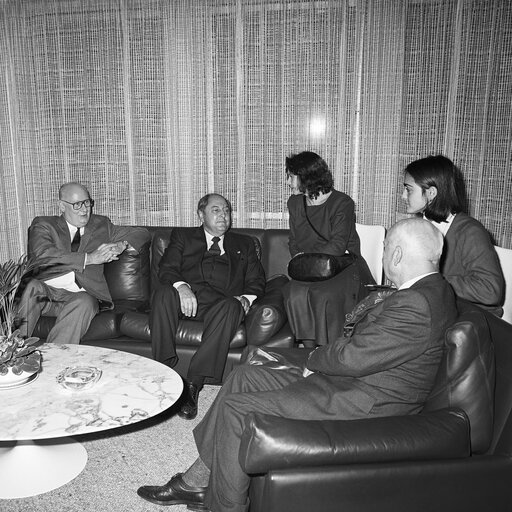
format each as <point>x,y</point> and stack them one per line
<point>182,261</point>
<point>389,363</point>
<point>49,247</point>
<point>470,264</point>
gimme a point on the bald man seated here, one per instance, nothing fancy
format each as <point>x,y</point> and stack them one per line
<point>68,253</point>
<point>384,364</point>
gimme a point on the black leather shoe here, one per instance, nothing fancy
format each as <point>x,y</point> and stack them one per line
<point>174,492</point>
<point>188,410</point>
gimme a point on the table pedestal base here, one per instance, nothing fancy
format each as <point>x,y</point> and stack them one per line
<point>28,468</point>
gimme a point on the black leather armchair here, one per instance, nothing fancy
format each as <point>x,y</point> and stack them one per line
<point>454,456</point>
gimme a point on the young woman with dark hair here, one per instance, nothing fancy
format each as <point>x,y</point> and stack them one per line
<point>434,188</point>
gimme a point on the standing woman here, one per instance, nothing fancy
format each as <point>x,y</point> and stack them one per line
<point>434,187</point>
<point>322,220</point>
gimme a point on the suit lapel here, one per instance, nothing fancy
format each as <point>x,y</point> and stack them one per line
<point>88,231</point>
<point>63,230</point>
<point>200,241</point>
<point>232,254</point>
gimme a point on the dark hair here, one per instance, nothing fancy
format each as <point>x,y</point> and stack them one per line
<point>313,173</point>
<point>203,202</point>
<point>440,172</point>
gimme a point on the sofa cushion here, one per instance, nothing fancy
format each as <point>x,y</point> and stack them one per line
<point>104,325</point>
<point>270,442</point>
<point>466,376</point>
<point>277,252</point>
<point>128,277</point>
<point>159,243</point>
<point>136,325</point>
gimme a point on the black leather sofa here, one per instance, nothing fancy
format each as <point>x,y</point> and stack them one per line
<point>454,456</point>
<point>134,276</point>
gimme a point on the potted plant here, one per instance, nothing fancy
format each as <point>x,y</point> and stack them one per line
<point>20,360</point>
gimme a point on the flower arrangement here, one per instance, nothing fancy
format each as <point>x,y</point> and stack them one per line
<point>17,353</point>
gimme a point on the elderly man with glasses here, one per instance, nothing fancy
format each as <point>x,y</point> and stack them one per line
<point>68,253</point>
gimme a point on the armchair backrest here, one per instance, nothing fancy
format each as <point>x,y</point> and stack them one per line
<point>505,257</point>
<point>372,248</point>
<point>466,376</point>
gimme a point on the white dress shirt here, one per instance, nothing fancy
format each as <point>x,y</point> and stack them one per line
<point>67,281</point>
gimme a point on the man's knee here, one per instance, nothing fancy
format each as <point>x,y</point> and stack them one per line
<point>243,378</point>
<point>34,288</point>
<point>233,304</point>
<point>229,307</point>
<point>85,302</point>
<point>165,296</point>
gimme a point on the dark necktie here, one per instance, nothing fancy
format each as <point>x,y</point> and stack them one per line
<point>214,248</point>
<point>75,243</point>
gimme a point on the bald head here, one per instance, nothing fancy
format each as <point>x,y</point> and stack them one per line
<point>412,247</point>
<point>71,189</point>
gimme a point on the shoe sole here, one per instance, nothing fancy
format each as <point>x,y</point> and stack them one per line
<point>169,503</point>
<point>198,508</point>
<point>186,416</point>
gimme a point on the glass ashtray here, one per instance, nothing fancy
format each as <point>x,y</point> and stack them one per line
<point>78,378</point>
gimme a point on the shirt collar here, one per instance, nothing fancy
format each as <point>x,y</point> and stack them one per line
<point>74,229</point>
<point>209,241</point>
<point>445,225</point>
<point>409,283</point>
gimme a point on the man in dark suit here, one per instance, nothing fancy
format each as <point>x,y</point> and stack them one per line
<point>68,253</point>
<point>210,274</point>
<point>384,364</point>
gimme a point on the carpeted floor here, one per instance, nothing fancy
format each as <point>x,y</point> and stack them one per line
<point>120,461</point>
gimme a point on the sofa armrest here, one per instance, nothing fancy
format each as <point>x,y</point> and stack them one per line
<point>271,442</point>
<point>267,315</point>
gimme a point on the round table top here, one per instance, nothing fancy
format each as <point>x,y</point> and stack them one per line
<point>130,389</point>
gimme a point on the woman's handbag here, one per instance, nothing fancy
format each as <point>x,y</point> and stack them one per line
<point>317,266</point>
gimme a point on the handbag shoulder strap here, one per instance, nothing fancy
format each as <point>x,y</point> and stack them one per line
<point>309,220</point>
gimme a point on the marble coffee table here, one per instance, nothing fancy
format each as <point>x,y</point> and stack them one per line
<point>36,420</point>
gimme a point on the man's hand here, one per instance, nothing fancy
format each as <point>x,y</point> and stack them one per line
<point>245,303</point>
<point>188,300</point>
<point>307,372</point>
<point>106,253</point>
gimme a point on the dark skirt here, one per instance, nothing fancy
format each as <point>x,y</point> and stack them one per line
<point>316,311</point>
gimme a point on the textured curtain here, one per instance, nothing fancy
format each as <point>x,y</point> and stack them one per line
<point>153,103</point>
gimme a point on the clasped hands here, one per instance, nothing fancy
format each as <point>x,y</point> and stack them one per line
<point>106,253</point>
<point>188,301</point>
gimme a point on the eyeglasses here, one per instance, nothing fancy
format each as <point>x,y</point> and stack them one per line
<point>88,203</point>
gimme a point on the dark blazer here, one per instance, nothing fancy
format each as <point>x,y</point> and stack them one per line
<point>49,245</point>
<point>182,261</point>
<point>389,363</point>
<point>470,264</point>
